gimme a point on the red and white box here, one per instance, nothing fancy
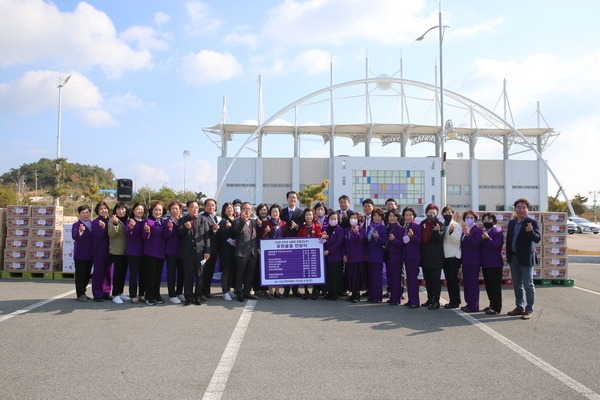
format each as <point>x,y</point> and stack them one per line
<point>48,233</point>
<point>45,254</point>
<point>12,244</point>
<point>18,222</point>
<point>18,233</point>
<point>18,211</point>
<point>47,222</point>
<point>554,229</point>
<point>47,211</point>
<point>555,273</point>
<point>49,244</point>
<point>43,265</point>
<point>554,218</point>
<point>554,240</point>
<point>15,265</point>
<point>15,254</point>
<point>555,251</point>
<point>555,263</point>
<point>68,265</point>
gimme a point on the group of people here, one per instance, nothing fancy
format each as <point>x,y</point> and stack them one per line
<point>356,248</point>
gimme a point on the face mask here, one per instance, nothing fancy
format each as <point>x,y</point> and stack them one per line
<point>320,212</point>
<point>353,222</point>
<point>431,218</point>
<point>236,210</point>
<point>488,225</point>
<point>447,218</point>
<point>469,221</point>
<point>333,222</point>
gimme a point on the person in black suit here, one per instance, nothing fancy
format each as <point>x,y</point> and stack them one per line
<point>292,216</point>
<point>344,202</point>
<point>246,252</point>
<point>523,233</point>
<point>210,213</point>
<point>194,250</point>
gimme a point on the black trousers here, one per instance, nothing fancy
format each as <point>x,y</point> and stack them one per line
<point>493,286</point>
<point>286,289</point>
<point>433,283</point>
<point>119,272</point>
<point>83,273</point>
<point>451,267</point>
<point>334,277</point>
<point>192,270</point>
<point>245,274</point>
<point>174,274</point>
<point>154,268</point>
<point>207,273</point>
<point>137,270</point>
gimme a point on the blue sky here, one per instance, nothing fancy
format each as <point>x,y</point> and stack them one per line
<point>148,75</point>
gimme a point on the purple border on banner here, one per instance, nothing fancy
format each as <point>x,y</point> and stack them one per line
<point>292,261</point>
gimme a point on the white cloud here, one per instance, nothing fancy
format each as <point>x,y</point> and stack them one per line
<point>201,175</point>
<point>208,67</point>
<point>147,175</point>
<point>249,40</point>
<point>123,102</point>
<point>34,30</point>
<point>488,26</point>
<point>36,90</point>
<point>161,18</point>
<point>202,18</point>
<point>147,38</point>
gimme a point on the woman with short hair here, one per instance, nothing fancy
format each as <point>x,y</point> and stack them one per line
<point>376,238</point>
<point>432,255</point>
<point>117,245</point>
<point>452,255</point>
<point>412,255</point>
<point>471,260</point>
<point>102,274</point>
<point>492,240</point>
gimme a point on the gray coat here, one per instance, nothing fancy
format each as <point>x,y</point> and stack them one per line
<point>246,243</point>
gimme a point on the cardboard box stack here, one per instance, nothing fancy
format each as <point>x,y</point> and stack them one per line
<point>554,246</point>
<point>18,232</point>
<point>68,265</point>
<point>2,234</point>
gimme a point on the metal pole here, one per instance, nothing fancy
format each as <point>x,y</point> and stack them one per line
<point>442,133</point>
<point>186,153</point>
<point>59,84</point>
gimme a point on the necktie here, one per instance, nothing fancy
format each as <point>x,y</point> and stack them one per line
<point>250,227</point>
<point>215,218</point>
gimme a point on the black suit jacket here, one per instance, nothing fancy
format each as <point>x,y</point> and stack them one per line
<point>344,222</point>
<point>296,217</point>
<point>213,237</point>
<point>525,244</point>
<point>201,240</point>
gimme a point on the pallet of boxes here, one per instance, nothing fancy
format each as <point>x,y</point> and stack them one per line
<point>2,236</point>
<point>554,256</point>
<point>33,242</point>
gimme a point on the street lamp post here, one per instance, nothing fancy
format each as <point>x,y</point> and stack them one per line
<point>186,154</point>
<point>60,82</point>
<point>594,194</point>
<point>441,29</point>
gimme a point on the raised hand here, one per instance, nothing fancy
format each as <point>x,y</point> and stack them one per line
<point>115,220</point>
<point>170,224</point>
<point>410,233</point>
<point>529,227</point>
<point>101,224</point>
<point>392,237</point>
<point>131,223</point>
<point>81,228</point>
<point>267,229</point>
<point>188,225</point>
<point>466,230</point>
<point>146,228</point>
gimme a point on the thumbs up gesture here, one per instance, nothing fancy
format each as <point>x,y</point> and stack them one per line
<point>170,224</point>
<point>146,228</point>
<point>259,222</point>
<point>410,233</point>
<point>267,229</point>
<point>101,224</point>
<point>392,237</point>
<point>115,220</point>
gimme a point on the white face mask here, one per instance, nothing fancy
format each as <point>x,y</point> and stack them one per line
<point>320,212</point>
<point>333,222</point>
<point>353,222</point>
<point>236,210</point>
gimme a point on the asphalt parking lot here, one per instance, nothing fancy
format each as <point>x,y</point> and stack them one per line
<point>294,348</point>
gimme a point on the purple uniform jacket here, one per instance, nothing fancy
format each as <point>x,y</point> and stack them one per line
<point>335,244</point>
<point>354,245</point>
<point>83,242</point>
<point>395,248</point>
<point>491,249</point>
<point>412,249</point>
<point>374,246</point>
<point>135,243</point>
<point>100,242</point>
<point>172,244</point>
<point>471,245</point>
<point>155,240</point>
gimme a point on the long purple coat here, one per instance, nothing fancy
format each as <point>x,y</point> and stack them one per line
<point>412,249</point>
<point>83,242</point>
<point>335,244</point>
<point>470,247</point>
<point>354,245</point>
<point>491,249</point>
<point>374,246</point>
<point>155,240</point>
<point>100,243</point>
<point>172,243</point>
<point>395,248</point>
<point>135,242</point>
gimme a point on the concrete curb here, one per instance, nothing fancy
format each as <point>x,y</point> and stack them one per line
<point>584,259</point>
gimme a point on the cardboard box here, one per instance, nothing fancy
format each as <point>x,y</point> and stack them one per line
<point>18,222</point>
<point>68,265</point>
<point>554,218</point>
<point>67,252</point>
<point>503,217</point>
<point>47,222</point>
<point>47,211</point>
<point>45,254</point>
<point>553,240</point>
<point>555,273</point>
<point>555,251</point>
<point>15,254</point>
<point>554,229</point>
<point>12,244</point>
<point>537,273</point>
<point>555,262</point>
<point>15,265</point>
<point>536,215</point>
<point>49,244</point>
<point>18,233</point>
<point>48,233</point>
<point>43,265</point>
<point>18,211</point>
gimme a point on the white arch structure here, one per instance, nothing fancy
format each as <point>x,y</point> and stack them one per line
<point>503,131</point>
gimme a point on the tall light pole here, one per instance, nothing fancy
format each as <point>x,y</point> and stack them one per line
<point>60,82</point>
<point>186,154</point>
<point>441,29</point>
<point>594,194</point>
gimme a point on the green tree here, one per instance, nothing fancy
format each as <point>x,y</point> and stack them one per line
<point>579,208</point>
<point>7,196</point>
<point>92,191</point>
<point>554,205</point>
<point>165,195</point>
<point>313,193</point>
<point>143,195</point>
<point>581,199</point>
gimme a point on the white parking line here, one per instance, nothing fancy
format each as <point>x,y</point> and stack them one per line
<point>36,305</point>
<point>216,387</point>
<point>587,290</point>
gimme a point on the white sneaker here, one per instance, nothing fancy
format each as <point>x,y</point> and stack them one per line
<point>125,297</point>
<point>174,300</point>
<point>226,296</point>
<point>232,295</point>
<point>117,300</point>
<point>181,297</point>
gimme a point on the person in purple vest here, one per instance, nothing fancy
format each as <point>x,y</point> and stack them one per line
<point>322,217</point>
<point>334,269</point>
<point>174,264</point>
<point>274,228</point>
<point>375,240</point>
<point>394,256</point>
<point>471,260</point>
<point>354,257</point>
<point>156,231</point>
<point>81,233</point>
<point>102,275</point>
<point>412,255</point>
<point>492,240</point>
<point>135,253</point>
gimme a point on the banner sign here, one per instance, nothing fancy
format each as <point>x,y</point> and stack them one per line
<point>291,261</point>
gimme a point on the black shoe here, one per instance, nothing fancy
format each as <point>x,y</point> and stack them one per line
<point>365,294</point>
<point>427,303</point>
<point>434,306</point>
<point>451,306</point>
<point>315,295</point>
<point>98,299</point>
<point>386,295</point>
<point>466,309</point>
<point>350,298</point>
<point>410,306</point>
<point>392,303</point>
<point>187,303</point>
<point>286,293</point>
<point>88,297</point>
<point>159,300</point>
<point>344,293</point>
<point>333,298</point>
<point>240,298</point>
<point>250,297</point>
<point>198,302</point>
<point>305,295</point>
<point>297,294</point>
<point>107,297</point>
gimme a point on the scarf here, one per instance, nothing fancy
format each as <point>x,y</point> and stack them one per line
<point>427,231</point>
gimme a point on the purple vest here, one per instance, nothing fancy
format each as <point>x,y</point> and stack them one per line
<point>335,245</point>
<point>83,243</point>
<point>470,247</point>
<point>412,250</point>
<point>491,249</point>
<point>100,243</point>
<point>353,245</point>
<point>135,243</point>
